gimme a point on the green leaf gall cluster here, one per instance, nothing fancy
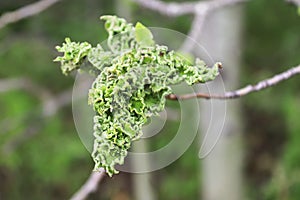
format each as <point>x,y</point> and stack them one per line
<point>133,77</point>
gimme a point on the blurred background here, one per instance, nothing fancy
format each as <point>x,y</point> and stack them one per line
<point>42,157</point>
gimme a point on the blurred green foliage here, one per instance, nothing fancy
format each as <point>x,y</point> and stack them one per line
<point>43,158</point>
<point>272,45</point>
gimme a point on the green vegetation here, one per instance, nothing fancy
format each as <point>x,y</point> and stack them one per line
<point>133,78</point>
<point>50,162</point>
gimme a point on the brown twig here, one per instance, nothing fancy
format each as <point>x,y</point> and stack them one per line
<point>243,91</point>
<point>25,12</point>
<point>89,186</point>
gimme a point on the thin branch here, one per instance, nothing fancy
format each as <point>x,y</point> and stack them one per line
<point>49,108</point>
<point>200,9</point>
<point>11,84</point>
<point>243,91</point>
<point>169,9</point>
<point>50,105</point>
<point>194,32</point>
<point>201,13</point>
<point>89,186</point>
<point>296,2</point>
<point>25,12</point>
<point>26,84</point>
<point>178,9</point>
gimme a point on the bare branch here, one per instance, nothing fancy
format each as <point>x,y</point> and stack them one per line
<point>50,102</point>
<point>50,105</point>
<point>296,2</point>
<point>11,84</point>
<point>178,9</point>
<point>243,91</point>
<point>194,32</point>
<point>25,12</point>
<point>25,84</point>
<point>169,9</point>
<point>200,9</point>
<point>201,12</point>
<point>90,185</point>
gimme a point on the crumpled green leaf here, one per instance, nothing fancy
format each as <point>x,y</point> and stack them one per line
<point>74,54</point>
<point>133,78</point>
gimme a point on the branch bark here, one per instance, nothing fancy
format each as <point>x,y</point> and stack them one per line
<point>200,14</point>
<point>194,32</point>
<point>25,12</point>
<point>25,84</point>
<point>178,9</point>
<point>50,105</point>
<point>200,9</point>
<point>89,186</point>
<point>243,91</point>
<point>296,2</point>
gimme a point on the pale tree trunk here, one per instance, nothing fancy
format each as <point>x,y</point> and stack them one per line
<point>142,182</point>
<point>123,8</point>
<point>142,188</point>
<point>221,169</point>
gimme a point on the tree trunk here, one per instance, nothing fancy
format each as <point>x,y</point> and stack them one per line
<point>141,182</point>
<point>222,165</point>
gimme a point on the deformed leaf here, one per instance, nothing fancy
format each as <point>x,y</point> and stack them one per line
<point>130,86</point>
<point>143,35</point>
